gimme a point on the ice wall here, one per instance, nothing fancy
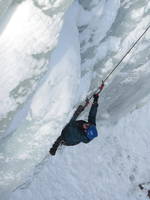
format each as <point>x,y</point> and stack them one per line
<point>29,31</point>
<point>104,41</point>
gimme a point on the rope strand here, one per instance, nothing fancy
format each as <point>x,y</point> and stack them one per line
<point>127,53</point>
<point>99,88</point>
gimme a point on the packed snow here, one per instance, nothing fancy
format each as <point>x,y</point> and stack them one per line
<point>52,56</point>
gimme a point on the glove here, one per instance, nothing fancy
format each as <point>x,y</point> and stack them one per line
<point>95,96</point>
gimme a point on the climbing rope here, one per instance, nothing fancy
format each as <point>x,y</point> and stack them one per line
<point>100,88</point>
<point>127,53</point>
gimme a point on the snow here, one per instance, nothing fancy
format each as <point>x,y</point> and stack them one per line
<point>111,166</point>
<point>28,36</point>
<point>48,74</point>
<point>56,92</point>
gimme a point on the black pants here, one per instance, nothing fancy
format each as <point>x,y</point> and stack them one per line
<point>56,144</point>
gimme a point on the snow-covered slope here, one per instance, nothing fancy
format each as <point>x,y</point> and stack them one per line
<point>111,167</point>
<point>42,82</point>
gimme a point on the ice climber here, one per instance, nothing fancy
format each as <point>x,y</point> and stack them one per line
<point>77,131</point>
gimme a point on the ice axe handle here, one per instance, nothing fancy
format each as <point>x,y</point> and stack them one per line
<point>101,86</point>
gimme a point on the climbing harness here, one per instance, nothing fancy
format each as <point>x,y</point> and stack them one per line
<point>100,88</point>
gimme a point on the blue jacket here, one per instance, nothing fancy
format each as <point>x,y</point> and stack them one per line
<point>73,133</point>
